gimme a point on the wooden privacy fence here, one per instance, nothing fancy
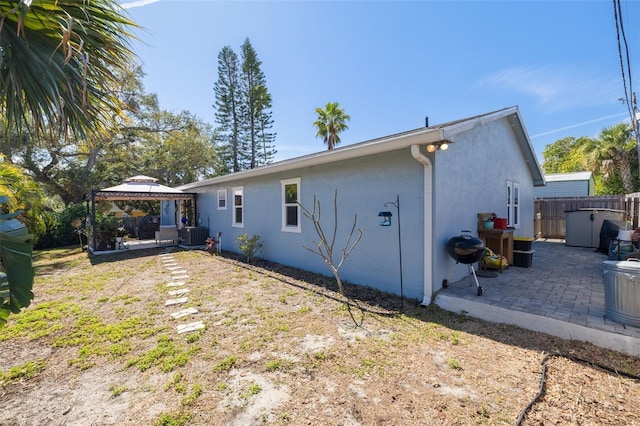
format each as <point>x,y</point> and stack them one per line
<point>550,218</point>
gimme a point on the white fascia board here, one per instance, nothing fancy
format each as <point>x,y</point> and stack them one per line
<point>377,146</point>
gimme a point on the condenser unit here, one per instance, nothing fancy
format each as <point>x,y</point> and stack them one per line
<point>194,235</point>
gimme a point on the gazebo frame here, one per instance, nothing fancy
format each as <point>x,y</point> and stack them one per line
<point>140,187</point>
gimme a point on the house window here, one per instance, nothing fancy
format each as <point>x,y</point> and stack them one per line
<point>222,199</point>
<point>290,206</point>
<point>238,207</point>
<point>513,204</point>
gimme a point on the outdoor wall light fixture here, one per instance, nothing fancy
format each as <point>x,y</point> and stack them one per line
<point>386,221</point>
<point>386,218</point>
<point>442,146</point>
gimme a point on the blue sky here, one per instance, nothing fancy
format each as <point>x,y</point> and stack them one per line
<point>389,64</point>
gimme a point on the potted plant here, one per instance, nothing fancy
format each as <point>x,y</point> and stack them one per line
<point>107,225</point>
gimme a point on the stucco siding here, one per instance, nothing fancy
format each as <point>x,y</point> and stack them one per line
<point>486,154</point>
<point>471,177</point>
<point>364,186</point>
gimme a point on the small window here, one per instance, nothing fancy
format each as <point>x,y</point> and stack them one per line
<point>513,204</point>
<point>290,206</point>
<point>222,199</point>
<point>238,207</point>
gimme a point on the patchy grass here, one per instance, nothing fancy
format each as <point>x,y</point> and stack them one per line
<point>99,346</point>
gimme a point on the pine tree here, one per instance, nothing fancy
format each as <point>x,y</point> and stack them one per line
<point>243,113</point>
<point>229,108</point>
<point>258,101</point>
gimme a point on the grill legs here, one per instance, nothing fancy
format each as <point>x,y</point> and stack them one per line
<point>445,283</point>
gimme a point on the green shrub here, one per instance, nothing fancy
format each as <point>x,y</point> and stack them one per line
<point>249,246</point>
<point>60,227</point>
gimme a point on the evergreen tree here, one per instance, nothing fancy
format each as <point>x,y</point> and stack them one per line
<point>258,101</point>
<point>228,107</point>
<point>243,113</point>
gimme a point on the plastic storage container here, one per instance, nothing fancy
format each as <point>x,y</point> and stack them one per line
<point>522,243</point>
<point>499,223</point>
<point>622,291</point>
<point>523,258</point>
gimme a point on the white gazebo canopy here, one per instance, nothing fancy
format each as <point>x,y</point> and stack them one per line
<point>139,188</point>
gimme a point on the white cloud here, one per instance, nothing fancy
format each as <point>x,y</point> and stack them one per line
<point>584,123</point>
<point>137,3</point>
<point>558,88</point>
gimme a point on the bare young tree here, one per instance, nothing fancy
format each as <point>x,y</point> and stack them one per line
<point>325,247</point>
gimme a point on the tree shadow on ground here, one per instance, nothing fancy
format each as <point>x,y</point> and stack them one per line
<point>377,302</point>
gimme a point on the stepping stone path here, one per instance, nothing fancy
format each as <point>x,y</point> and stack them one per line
<point>178,275</point>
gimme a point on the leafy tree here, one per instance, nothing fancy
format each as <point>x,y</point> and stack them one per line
<point>181,156</point>
<point>611,157</point>
<point>566,155</point>
<point>176,148</point>
<point>56,64</point>
<point>330,123</point>
<point>22,194</point>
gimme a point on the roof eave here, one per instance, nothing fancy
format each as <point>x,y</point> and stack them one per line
<point>376,146</point>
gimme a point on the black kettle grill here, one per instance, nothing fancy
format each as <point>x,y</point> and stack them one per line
<point>466,249</point>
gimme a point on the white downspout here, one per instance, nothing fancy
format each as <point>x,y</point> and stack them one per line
<point>428,223</point>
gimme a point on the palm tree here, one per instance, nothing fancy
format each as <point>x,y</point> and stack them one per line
<point>57,64</point>
<point>614,152</point>
<point>330,122</point>
<point>58,60</point>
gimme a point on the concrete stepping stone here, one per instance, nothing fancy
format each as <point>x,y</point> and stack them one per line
<point>194,326</point>
<point>169,262</point>
<point>175,284</point>
<point>174,267</point>
<point>180,277</point>
<point>167,258</point>
<point>177,301</point>
<point>178,292</point>
<point>179,272</point>
<point>184,313</point>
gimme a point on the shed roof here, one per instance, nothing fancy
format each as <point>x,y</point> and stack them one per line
<point>420,136</point>
<point>561,177</point>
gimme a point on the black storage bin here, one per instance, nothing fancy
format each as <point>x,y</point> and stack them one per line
<point>523,258</point>
<point>522,244</point>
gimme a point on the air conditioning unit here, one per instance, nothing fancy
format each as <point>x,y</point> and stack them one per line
<point>194,235</point>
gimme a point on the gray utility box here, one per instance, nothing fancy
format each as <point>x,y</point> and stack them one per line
<point>622,291</point>
<point>583,225</point>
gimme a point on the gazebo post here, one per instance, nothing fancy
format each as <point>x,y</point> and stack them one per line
<point>93,220</point>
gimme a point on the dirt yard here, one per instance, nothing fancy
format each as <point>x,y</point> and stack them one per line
<point>99,346</point>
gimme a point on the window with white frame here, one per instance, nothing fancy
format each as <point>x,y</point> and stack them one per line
<point>222,199</point>
<point>513,204</point>
<point>290,206</point>
<point>238,207</point>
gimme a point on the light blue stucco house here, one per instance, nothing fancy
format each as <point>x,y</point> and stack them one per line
<point>489,166</point>
<point>576,184</point>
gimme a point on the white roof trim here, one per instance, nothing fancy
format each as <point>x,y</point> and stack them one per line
<point>561,177</point>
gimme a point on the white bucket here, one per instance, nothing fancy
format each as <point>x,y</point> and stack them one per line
<point>625,235</point>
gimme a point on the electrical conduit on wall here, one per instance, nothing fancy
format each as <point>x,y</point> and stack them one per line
<point>428,226</point>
